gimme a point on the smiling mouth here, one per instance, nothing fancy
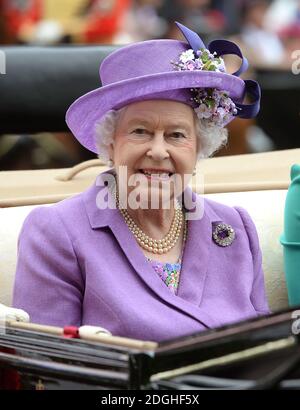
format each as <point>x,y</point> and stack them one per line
<point>156,174</point>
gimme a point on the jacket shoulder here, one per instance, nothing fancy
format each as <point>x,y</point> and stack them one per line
<point>221,212</point>
<point>54,215</point>
<point>236,216</point>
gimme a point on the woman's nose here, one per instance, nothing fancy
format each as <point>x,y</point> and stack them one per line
<point>158,147</point>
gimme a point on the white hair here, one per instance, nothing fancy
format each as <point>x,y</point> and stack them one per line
<point>210,137</point>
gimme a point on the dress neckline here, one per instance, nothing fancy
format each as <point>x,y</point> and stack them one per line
<point>164,263</point>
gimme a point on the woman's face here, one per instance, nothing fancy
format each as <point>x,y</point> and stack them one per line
<point>155,140</point>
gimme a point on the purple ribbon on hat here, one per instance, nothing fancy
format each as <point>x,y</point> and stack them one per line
<point>225,47</point>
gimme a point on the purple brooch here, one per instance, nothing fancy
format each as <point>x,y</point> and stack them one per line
<point>223,234</point>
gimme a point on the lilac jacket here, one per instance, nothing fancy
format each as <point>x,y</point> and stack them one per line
<point>79,265</point>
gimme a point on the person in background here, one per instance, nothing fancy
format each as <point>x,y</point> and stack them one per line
<point>103,20</point>
<point>142,22</point>
<point>19,16</point>
<point>282,14</point>
<point>263,46</point>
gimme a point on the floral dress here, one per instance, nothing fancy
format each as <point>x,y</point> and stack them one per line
<point>168,272</point>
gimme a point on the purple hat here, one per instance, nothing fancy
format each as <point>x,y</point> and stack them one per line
<point>167,69</point>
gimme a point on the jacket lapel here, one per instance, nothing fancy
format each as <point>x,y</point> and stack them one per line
<point>195,260</point>
<point>194,263</point>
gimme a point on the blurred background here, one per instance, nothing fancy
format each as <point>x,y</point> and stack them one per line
<point>50,55</point>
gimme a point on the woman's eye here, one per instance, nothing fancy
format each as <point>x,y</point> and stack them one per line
<point>177,135</point>
<point>139,131</point>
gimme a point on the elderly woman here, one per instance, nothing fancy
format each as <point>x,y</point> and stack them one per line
<point>139,253</point>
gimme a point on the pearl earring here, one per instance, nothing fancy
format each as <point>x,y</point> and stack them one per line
<point>194,172</point>
<point>110,163</point>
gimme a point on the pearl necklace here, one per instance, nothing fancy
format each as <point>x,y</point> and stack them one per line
<point>159,246</point>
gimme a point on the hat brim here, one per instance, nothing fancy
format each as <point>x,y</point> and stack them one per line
<point>87,110</point>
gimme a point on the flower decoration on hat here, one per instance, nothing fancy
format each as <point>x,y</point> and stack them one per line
<point>214,106</point>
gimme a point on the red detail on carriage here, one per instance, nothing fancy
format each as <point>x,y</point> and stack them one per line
<point>71,332</point>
